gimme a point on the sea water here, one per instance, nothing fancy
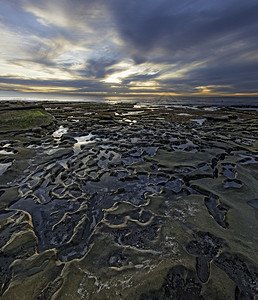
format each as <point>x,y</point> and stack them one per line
<point>177,101</point>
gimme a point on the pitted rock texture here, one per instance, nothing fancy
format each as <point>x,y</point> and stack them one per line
<point>117,202</point>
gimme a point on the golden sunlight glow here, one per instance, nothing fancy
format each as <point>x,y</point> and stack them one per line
<point>50,13</point>
<point>132,70</point>
<point>203,89</point>
<point>36,89</point>
<point>150,83</point>
<point>176,72</point>
<point>144,88</point>
<point>34,71</point>
<point>143,85</point>
<point>210,90</point>
<point>243,94</point>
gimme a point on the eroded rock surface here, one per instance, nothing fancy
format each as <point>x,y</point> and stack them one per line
<point>117,202</point>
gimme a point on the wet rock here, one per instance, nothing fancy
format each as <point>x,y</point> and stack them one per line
<point>137,236</point>
<point>220,117</point>
<point>17,240</point>
<point>36,129</point>
<point>117,260</point>
<point>68,137</point>
<point>42,270</point>
<point>217,209</point>
<point>114,199</point>
<point>174,184</point>
<point>232,183</point>
<point>205,244</point>
<point>203,268</point>
<point>242,271</point>
<point>180,283</point>
<point>119,191</point>
<point>129,178</point>
<point>228,170</point>
<point>50,289</point>
<point>253,203</point>
<point>205,247</point>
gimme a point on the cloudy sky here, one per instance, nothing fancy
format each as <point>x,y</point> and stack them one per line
<point>128,47</point>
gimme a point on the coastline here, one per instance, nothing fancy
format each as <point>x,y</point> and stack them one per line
<point>128,201</point>
<point>192,101</point>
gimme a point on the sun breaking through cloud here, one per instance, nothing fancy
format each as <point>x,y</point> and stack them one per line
<point>127,47</point>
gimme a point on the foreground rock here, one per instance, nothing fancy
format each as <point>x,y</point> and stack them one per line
<point>113,202</point>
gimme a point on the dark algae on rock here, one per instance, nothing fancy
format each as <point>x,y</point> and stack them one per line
<point>102,201</point>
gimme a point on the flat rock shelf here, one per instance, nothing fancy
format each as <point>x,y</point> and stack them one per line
<point>101,201</point>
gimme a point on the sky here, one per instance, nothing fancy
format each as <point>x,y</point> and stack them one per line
<point>129,47</point>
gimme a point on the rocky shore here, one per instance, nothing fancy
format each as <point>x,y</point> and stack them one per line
<point>102,201</point>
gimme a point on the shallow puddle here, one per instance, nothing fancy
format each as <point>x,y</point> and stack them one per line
<point>199,121</point>
<point>4,167</point>
<point>60,131</point>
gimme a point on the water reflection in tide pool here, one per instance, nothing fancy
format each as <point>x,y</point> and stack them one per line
<point>60,131</point>
<point>81,141</point>
<point>199,121</point>
<point>4,152</point>
<point>4,167</point>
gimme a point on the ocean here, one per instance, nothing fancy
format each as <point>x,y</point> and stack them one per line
<point>249,102</point>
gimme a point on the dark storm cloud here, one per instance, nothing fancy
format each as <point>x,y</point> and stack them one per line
<point>119,44</point>
<point>240,76</point>
<point>140,78</point>
<point>221,34</point>
<point>173,25</point>
<point>97,68</point>
<point>54,83</point>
